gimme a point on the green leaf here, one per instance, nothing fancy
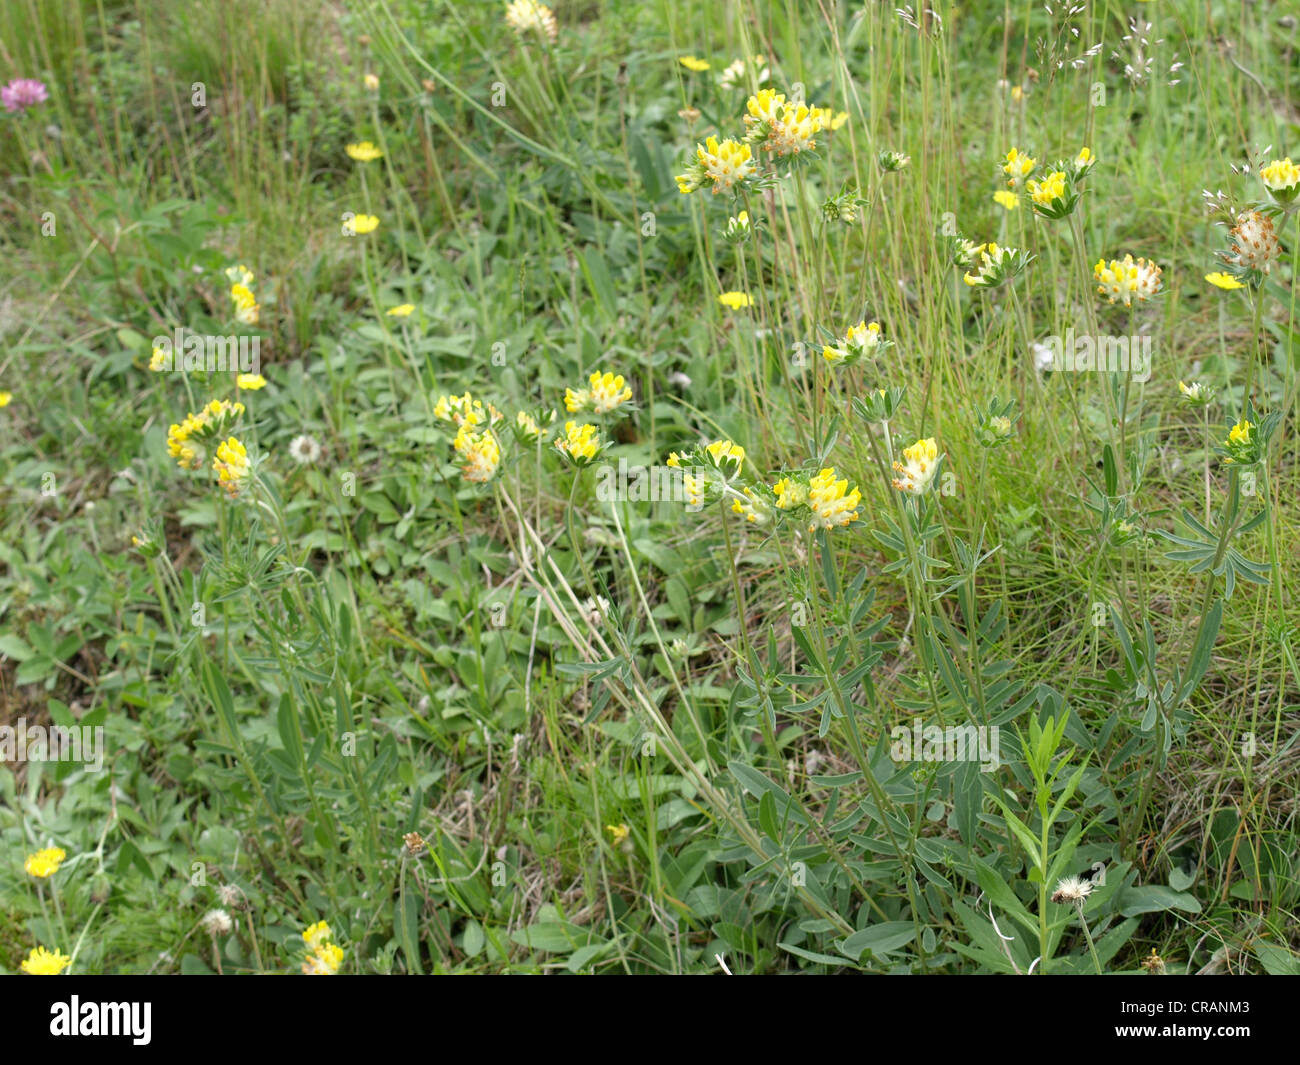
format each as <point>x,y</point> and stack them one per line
<point>1153,898</point>
<point>879,939</point>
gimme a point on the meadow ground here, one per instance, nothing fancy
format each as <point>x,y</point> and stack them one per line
<point>741,486</point>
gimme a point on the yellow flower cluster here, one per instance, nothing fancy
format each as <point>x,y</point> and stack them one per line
<point>1127,279</point>
<point>323,955</point>
<point>1282,179</point>
<point>916,473</point>
<point>580,444</point>
<point>781,126</point>
<point>607,392</point>
<point>231,465</point>
<point>1018,167</point>
<point>465,410</point>
<point>831,501</point>
<point>860,340</point>
<point>479,452</point>
<point>184,441</point>
<point>247,310</point>
<point>529,17</point>
<point>727,164</point>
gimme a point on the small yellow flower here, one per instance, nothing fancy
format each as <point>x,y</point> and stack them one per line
<point>617,833</point>
<point>528,16</point>
<point>1083,162</point>
<point>725,453</point>
<point>1196,394</point>
<point>158,360</point>
<point>480,453</point>
<point>1282,177</point>
<point>246,308</point>
<point>317,934</point>
<point>402,310</point>
<point>5,399</point>
<point>231,465</point>
<point>250,382</point>
<point>1049,190</point>
<point>727,163</point>
<point>1240,433</point>
<point>240,275</point>
<point>323,961</point>
<point>790,494</point>
<point>580,444</point>
<point>690,62</point>
<point>607,392</point>
<point>364,223</point>
<point>45,863</point>
<point>1221,280</point>
<point>735,300</point>
<point>754,510</point>
<point>1018,167</point>
<point>365,152</point>
<point>527,427</point>
<point>1006,198</point>
<point>918,471</point>
<point>41,962</point>
<point>1127,279</point>
<point>831,501</point>
<point>371,82</point>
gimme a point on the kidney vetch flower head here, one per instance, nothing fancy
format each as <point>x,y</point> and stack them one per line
<point>780,126</point>
<point>580,444</point>
<point>480,453</point>
<point>1197,394</point>
<point>1018,167</point>
<point>861,340</point>
<point>1053,197</point>
<point>1083,163</point>
<point>994,264</point>
<point>725,457</point>
<point>1127,279</point>
<point>918,470</point>
<point>465,410</point>
<point>1253,244</point>
<point>728,164</point>
<point>891,162</point>
<point>831,501</point>
<point>529,429</point>
<point>607,392</point>
<point>528,17</point>
<point>1243,444</point>
<point>231,466</point>
<point>1282,179</point>
<point>186,441</point>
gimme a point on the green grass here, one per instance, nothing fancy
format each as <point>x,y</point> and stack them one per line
<point>369,645</point>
